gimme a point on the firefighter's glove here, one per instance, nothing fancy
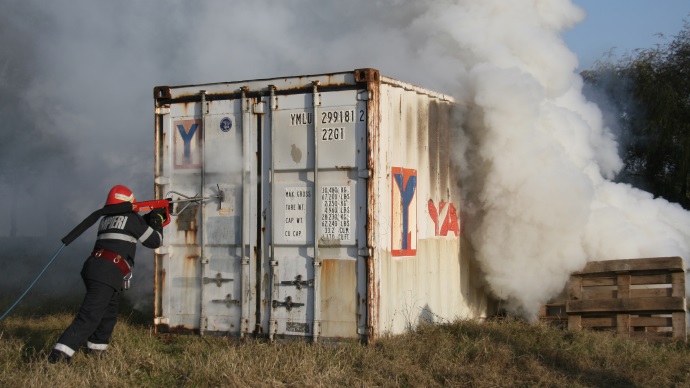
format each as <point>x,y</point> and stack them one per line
<point>155,219</point>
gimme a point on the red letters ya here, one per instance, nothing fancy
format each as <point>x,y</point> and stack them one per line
<point>447,213</point>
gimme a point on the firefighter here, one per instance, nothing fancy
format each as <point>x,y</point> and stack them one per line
<point>106,272</point>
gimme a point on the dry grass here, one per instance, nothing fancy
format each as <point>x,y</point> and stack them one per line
<point>464,353</point>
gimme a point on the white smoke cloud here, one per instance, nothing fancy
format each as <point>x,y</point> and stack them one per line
<point>537,170</point>
<point>536,155</point>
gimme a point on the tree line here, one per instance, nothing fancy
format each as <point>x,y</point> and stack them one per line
<point>649,92</point>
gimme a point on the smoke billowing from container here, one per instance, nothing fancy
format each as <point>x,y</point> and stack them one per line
<point>76,81</point>
<point>537,159</point>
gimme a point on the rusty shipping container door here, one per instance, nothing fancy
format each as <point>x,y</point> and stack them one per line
<point>203,271</point>
<point>340,214</point>
<point>280,255</point>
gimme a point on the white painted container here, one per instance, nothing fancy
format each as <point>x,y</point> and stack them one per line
<point>340,215</point>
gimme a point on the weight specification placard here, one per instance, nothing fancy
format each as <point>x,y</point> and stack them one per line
<point>297,200</point>
<point>336,214</point>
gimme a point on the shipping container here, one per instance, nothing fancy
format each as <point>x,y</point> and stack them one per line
<point>332,209</point>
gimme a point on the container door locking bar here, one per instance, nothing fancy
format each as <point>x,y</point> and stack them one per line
<point>218,279</point>
<point>229,302</point>
<point>298,282</point>
<point>288,304</point>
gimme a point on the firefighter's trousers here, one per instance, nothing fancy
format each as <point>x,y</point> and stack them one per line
<point>95,320</point>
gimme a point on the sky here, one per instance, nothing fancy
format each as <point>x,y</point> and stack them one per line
<point>76,113</point>
<point>621,26</point>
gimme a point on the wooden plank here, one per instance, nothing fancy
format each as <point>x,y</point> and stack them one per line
<point>651,334</point>
<point>623,282</point>
<point>599,321</point>
<point>651,321</point>
<point>679,326</point>
<point>574,322</point>
<point>658,304</point>
<point>554,318</point>
<point>623,324</point>
<point>654,263</point>
<point>610,280</point>
<point>575,287</point>
<point>597,281</point>
<point>678,284</point>
<point>599,293</point>
<point>651,279</point>
<point>650,292</point>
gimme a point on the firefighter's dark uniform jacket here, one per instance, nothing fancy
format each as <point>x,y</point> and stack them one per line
<point>103,279</point>
<point>119,234</point>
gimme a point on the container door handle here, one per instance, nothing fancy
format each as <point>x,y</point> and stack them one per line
<point>288,304</point>
<point>298,282</point>
<point>218,279</point>
<point>228,301</point>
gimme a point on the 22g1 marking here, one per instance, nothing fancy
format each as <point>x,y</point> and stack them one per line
<point>332,134</point>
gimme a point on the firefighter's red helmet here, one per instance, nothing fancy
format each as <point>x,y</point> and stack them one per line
<point>119,194</point>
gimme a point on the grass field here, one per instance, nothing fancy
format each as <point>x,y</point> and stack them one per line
<point>465,353</point>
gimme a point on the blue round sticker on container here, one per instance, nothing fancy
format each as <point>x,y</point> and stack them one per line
<point>225,124</point>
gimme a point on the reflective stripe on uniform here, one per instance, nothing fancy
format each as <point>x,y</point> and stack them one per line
<point>93,346</point>
<point>146,234</point>
<point>65,349</point>
<point>117,236</point>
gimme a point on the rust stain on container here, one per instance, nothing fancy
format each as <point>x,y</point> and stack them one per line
<point>338,295</point>
<point>190,268</point>
<point>190,236</point>
<point>161,92</point>
<point>187,222</point>
<point>158,285</point>
<point>373,84</point>
<point>179,329</point>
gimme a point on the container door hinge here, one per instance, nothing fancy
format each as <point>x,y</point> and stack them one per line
<point>288,304</point>
<point>364,252</point>
<point>161,180</point>
<point>218,279</point>
<point>298,282</point>
<point>228,301</point>
<point>363,330</point>
<point>260,108</point>
<point>364,174</point>
<point>161,320</point>
<point>363,95</point>
<point>163,110</point>
<point>273,99</point>
<point>316,94</point>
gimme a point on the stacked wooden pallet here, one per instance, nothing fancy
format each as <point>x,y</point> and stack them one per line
<point>635,298</point>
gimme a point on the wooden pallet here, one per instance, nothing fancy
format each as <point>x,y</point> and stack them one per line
<point>634,298</point>
<point>554,314</point>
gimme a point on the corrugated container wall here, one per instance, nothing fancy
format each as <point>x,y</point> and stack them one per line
<point>331,210</point>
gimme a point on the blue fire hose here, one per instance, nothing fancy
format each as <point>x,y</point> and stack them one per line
<point>34,282</point>
<point>71,236</point>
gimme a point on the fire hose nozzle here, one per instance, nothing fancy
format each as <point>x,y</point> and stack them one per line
<point>188,200</point>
